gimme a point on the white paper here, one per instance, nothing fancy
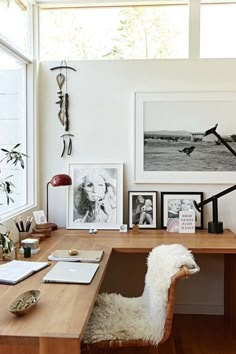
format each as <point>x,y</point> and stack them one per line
<point>14,271</point>
<point>187,221</point>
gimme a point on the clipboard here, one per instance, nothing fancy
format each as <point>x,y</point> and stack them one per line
<point>91,256</point>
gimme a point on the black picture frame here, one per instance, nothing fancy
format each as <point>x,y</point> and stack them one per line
<point>142,209</point>
<point>182,197</point>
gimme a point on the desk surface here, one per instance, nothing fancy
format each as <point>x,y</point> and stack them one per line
<point>63,310</point>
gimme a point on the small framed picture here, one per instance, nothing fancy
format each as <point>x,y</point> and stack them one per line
<point>174,202</point>
<point>142,209</point>
<point>40,217</point>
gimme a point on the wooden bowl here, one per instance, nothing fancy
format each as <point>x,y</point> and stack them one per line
<point>24,303</point>
<point>39,236</point>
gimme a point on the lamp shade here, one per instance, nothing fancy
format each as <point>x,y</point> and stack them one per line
<point>57,181</point>
<point>61,180</point>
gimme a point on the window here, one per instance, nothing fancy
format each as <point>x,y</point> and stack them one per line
<point>131,32</point>
<point>12,121</point>
<point>218,28</point>
<point>16,108</point>
<point>15,24</point>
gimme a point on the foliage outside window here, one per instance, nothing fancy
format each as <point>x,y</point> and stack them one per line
<point>132,32</point>
<point>15,24</point>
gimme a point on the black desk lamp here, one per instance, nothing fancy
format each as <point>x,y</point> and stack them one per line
<point>215,226</point>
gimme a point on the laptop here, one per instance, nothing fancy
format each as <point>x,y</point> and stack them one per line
<point>71,272</point>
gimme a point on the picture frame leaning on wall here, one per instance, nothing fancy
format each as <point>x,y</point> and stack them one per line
<point>95,198</point>
<point>170,144</point>
<point>173,202</point>
<point>142,209</point>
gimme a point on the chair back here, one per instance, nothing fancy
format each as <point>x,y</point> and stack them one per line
<point>166,265</point>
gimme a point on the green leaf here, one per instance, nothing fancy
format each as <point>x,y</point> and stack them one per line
<point>22,163</point>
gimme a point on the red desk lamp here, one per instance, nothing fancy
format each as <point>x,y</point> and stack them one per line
<point>57,181</point>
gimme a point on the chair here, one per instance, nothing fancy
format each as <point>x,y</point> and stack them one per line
<point>132,325</point>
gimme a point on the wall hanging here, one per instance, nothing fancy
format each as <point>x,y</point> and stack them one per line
<point>63,102</point>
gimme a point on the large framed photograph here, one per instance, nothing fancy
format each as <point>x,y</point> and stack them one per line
<point>95,198</point>
<point>174,202</point>
<point>142,207</point>
<point>170,141</point>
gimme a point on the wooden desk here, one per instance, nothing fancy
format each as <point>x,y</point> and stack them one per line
<point>57,322</point>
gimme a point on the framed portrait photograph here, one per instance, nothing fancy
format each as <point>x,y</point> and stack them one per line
<point>142,208</point>
<point>174,202</point>
<point>175,140</point>
<point>95,198</point>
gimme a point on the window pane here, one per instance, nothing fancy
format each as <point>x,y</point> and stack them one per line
<point>14,23</point>
<point>218,28</point>
<point>141,32</point>
<point>12,132</point>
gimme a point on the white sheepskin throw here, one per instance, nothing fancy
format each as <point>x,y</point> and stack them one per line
<point>116,317</point>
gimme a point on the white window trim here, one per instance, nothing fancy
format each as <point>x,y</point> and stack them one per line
<point>101,3</point>
<point>31,111</point>
<point>194,29</point>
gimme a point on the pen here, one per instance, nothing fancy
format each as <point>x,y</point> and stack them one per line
<point>28,223</point>
<point>21,224</point>
<point>17,225</point>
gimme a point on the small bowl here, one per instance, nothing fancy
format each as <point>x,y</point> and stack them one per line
<point>23,303</point>
<point>39,236</point>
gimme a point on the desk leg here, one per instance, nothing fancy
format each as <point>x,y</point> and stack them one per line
<point>59,346</point>
<point>230,290</point>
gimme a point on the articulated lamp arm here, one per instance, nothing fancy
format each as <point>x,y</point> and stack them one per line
<point>216,226</point>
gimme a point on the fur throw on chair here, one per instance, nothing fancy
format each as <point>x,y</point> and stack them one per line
<point>116,317</point>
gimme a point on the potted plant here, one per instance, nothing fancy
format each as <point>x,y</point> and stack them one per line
<point>15,157</point>
<point>7,247</point>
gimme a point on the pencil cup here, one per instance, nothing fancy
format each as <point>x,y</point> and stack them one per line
<point>24,235</point>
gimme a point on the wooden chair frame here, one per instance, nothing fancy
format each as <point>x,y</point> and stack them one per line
<point>115,345</point>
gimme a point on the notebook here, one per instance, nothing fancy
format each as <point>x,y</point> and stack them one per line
<point>71,272</point>
<point>15,271</point>
<point>82,256</point>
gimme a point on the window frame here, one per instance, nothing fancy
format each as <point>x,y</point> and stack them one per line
<point>86,4</point>
<point>30,140</point>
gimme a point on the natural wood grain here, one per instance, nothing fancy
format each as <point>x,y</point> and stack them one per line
<point>63,310</point>
<point>202,334</point>
<point>200,242</point>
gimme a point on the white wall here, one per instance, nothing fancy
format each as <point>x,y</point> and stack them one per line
<point>102,119</point>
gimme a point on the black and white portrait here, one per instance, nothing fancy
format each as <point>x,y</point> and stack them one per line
<point>96,196</point>
<point>177,205</point>
<point>142,209</point>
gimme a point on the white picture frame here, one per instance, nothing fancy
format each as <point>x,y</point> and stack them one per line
<point>190,113</point>
<point>95,198</point>
<point>40,217</point>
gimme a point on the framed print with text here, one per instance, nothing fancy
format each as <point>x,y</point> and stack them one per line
<point>174,202</point>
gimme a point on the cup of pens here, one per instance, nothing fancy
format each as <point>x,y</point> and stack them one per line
<point>23,226</point>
